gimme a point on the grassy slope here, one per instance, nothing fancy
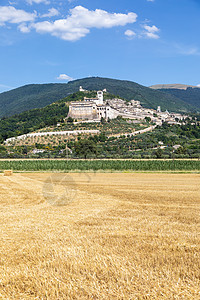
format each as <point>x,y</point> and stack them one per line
<point>40,95</point>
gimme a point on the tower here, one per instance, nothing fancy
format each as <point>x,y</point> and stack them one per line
<point>100,97</point>
<point>158,109</point>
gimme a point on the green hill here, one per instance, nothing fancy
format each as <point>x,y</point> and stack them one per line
<point>40,95</point>
<point>34,119</point>
<point>31,96</point>
<point>130,90</point>
<point>190,95</point>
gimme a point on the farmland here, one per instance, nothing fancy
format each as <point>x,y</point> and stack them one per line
<point>100,165</point>
<point>106,236</point>
<point>115,140</point>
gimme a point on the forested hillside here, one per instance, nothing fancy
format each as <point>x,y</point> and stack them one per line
<point>35,119</point>
<point>190,95</point>
<point>39,95</point>
<point>31,96</point>
<point>130,90</point>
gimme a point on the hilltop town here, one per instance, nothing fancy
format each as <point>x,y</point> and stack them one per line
<point>111,127</point>
<point>93,109</point>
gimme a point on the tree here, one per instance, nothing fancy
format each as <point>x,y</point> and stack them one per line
<point>70,120</point>
<point>24,150</point>
<point>148,119</point>
<point>159,153</point>
<point>85,148</point>
<point>102,137</point>
<point>2,149</point>
<point>103,121</point>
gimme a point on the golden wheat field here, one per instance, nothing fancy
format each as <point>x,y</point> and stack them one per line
<point>100,236</point>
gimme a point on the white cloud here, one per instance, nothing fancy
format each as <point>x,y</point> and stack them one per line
<point>191,51</point>
<point>51,13</point>
<point>37,1</point>
<point>64,77</point>
<point>150,0</point>
<point>187,50</point>
<point>80,20</point>
<point>24,28</point>
<point>198,85</point>
<point>151,31</point>
<point>130,33</point>
<point>12,15</point>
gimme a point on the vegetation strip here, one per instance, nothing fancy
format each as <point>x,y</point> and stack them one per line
<point>95,165</point>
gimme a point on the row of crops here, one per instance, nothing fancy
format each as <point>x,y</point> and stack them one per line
<point>95,165</point>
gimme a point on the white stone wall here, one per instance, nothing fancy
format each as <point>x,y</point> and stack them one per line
<point>70,132</point>
<point>83,110</point>
<point>111,113</point>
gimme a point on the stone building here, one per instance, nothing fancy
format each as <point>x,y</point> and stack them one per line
<point>83,110</point>
<point>96,108</point>
<point>91,109</point>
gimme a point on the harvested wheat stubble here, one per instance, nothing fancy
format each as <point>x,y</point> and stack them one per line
<point>124,236</point>
<point>8,173</point>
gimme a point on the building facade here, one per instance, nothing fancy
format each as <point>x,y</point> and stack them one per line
<point>91,109</point>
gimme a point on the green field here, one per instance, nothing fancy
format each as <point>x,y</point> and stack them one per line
<point>103,165</point>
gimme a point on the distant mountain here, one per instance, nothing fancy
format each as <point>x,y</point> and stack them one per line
<point>171,86</point>
<point>39,95</point>
<point>190,95</point>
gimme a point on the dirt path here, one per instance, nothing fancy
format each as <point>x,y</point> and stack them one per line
<point>136,132</point>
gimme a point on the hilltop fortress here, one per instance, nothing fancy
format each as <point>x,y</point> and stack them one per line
<point>96,108</point>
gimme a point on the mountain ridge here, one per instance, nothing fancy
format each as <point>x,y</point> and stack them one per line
<point>40,95</point>
<point>190,95</point>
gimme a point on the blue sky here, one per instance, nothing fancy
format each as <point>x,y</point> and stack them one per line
<point>149,42</point>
